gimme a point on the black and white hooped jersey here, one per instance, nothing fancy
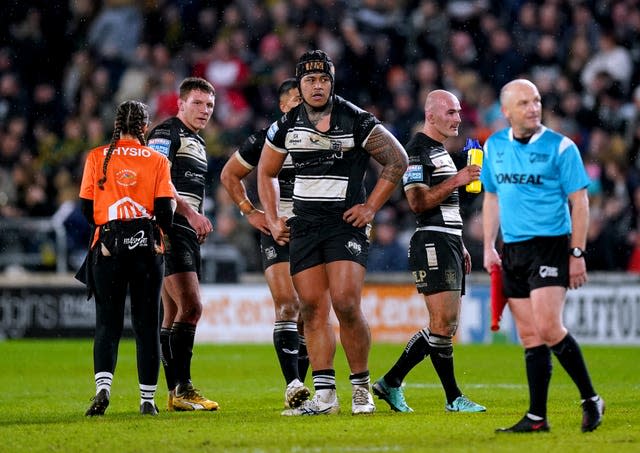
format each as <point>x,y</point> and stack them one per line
<point>329,166</point>
<point>249,154</point>
<point>187,153</point>
<point>429,165</point>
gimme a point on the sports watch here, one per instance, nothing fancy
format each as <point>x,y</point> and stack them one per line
<point>577,252</point>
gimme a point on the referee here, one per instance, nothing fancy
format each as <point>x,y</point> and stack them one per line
<point>532,175</point>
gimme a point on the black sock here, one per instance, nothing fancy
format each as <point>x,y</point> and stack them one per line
<point>360,378</point>
<point>324,379</point>
<point>182,336</point>
<point>303,358</point>
<point>416,350</point>
<point>538,365</point>
<point>442,359</point>
<point>166,357</point>
<point>286,342</point>
<point>570,357</point>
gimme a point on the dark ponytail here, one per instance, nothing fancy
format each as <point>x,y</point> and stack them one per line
<point>131,117</point>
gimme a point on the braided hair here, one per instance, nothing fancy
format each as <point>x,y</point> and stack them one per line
<point>131,117</point>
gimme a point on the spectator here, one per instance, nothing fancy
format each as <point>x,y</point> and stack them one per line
<point>267,37</point>
<point>114,36</point>
<point>610,58</point>
<point>386,254</point>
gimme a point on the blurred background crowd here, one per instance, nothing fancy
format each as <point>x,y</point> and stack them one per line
<point>65,65</point>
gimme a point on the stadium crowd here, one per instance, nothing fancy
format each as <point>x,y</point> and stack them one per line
<point>57,101</point>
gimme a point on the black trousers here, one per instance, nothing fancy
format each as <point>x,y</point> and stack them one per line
<point>140,275</point>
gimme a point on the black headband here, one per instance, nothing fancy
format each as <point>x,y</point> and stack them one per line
<point>312,66</point>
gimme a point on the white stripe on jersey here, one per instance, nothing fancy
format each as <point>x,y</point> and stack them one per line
<point>444,172</point>
<point>451,214</point>
<point>285,208</point>
<point>191,199</point>
<point>243,162</point>
<point>320,188</point>
<point>440,229</point>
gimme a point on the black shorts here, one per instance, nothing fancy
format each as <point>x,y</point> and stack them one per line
<point>436,261</point>
<point>314,243</point>
<point>536,263</point>
<point>182,252</point>
<point>272,252</point>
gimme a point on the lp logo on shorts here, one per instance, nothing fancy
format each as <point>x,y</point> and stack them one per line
<point>354,247</point>
<point>548,271</point>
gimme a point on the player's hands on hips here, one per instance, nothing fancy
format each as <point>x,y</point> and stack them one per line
<point>258,220</point>
<point>359,215</point>
<point>279,230</point>
<point>577,272</point>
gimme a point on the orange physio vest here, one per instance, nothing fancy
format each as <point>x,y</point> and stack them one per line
<point>136,176</point>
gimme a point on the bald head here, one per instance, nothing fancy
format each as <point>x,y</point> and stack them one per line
<point>516,86</point>
<point>442,115</point>
<point>522,107</point>
<point>438,99</point>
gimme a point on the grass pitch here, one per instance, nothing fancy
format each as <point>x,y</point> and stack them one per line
<point>46,386</point>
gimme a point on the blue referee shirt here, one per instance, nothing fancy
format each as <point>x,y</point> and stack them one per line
<point>533,182</point>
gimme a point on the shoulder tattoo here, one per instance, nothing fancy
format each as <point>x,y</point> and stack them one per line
<point>387,151</point>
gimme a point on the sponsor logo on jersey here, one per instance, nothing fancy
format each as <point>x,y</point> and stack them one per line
<point>190,174</point>
<point>519,178</point>
<point>126,208</point>
<point>126,177</point>
<point>293,139</point>
<point>336,147</point>
<point>413,173</point>
<point>160,145</point>
<point>272,131</point>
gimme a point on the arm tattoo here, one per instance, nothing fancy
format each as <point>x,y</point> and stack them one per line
<point>385,149</point>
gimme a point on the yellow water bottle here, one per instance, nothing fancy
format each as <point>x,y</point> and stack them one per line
<point>474,157</point>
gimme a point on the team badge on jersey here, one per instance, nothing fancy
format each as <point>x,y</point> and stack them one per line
<point>161,145</point>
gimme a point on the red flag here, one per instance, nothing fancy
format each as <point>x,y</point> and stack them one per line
<point>498,301</point>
